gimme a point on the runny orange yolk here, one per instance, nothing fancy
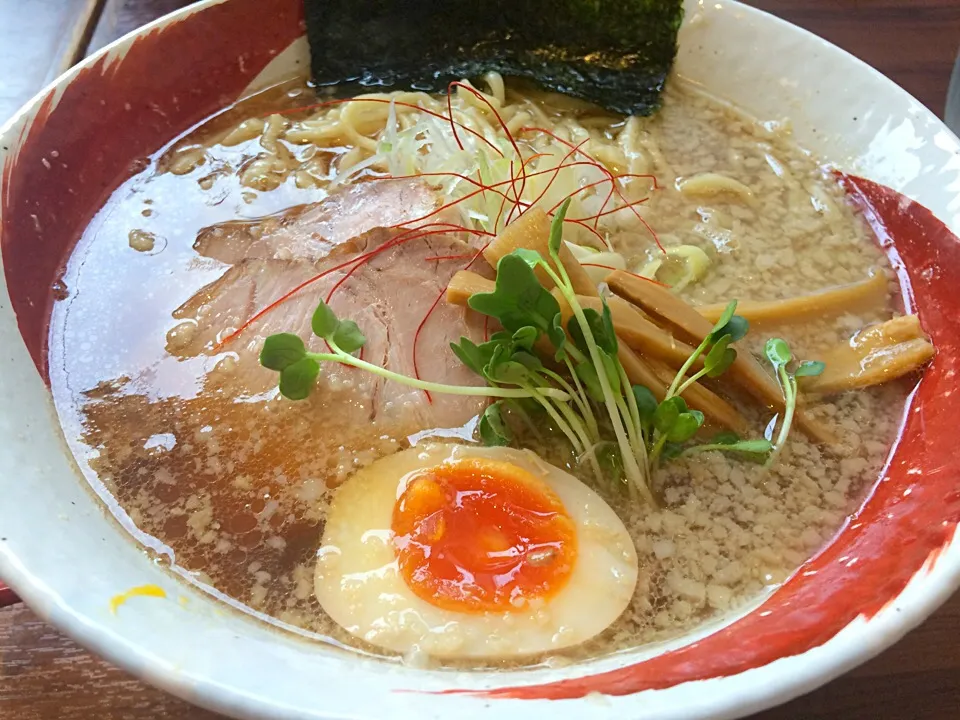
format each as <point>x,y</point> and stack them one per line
<point>477,535</point>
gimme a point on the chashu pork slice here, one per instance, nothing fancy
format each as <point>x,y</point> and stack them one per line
<point>388,296</point>
<point>311,232</point>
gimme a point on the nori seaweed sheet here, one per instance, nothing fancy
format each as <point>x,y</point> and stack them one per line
<point>615,53</point>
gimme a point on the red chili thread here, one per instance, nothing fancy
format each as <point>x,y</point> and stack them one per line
<point>611,176</point>
<point>423,322</point>
<point>556,173</point>
<point>516,148</point>
<point>384,101</point>
<point>362,258</point>
<point>306,283</point>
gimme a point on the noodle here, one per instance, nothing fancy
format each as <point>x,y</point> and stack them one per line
<point>706,184</point>
<point>489,134</point>
<point>245,131</point>
<point>495,83</point>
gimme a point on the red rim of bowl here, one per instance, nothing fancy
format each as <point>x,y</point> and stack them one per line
<point>7,596</point>
<point>100,127</point>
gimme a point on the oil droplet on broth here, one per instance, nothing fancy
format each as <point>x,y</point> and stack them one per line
<point>181,335</point>
<point>59,290</point>
<point>146,242</point>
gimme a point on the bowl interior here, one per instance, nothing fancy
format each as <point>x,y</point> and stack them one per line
<point>81,137</point>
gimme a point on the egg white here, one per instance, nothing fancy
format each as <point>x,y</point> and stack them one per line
<point>359,585</point>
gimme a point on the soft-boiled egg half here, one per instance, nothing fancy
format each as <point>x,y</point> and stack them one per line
<point>464,552</point>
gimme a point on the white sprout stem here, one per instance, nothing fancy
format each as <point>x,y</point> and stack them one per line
<point>656,450</point>
<point>719,447</point>
<point>343,358</point>
<point>562,424</point>
<point>632,434</point>
<point>790,405</point>
<point>690,381</point>
<point>634,414</point>
<point>681,374</point>
<point>573,422</point>
<point>584,400</point>
<point>706,448</point>
<point>585,440</point>
<point>576,426</point>
<point>630,466</point>
<point>577,399</point>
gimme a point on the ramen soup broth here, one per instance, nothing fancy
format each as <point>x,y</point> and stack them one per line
<point>201,458</point>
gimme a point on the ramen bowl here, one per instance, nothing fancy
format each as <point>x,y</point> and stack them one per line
<point>893,562</point>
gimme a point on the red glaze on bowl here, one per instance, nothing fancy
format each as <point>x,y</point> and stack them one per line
<point>91,137</point>
<point>83,138</point>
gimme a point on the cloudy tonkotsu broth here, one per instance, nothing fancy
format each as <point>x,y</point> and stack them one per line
<point>232,482</point>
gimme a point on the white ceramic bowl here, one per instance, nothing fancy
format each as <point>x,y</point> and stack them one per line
<point>895,562</point>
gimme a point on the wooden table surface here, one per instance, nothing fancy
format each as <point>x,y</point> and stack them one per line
<point>45,676</point>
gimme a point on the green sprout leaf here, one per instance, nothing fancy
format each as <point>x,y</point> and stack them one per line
<point>720,357</point>
<point>725,317</point>
<point>471,354</point>
<point>519,299</point>
<point>504,359</point>
<point>756,451</point>
<point>348,336</point>
<point>685,426</point>
<point>324,322</point>
<point>499,346</point>
<point>587,373</point>
<point>556,229</point>
<point>809,368</point>
<point>509,372</point>
<point>528,360</point>
<point>607,340</point>
<point>576,334</point>
<point>779,355</point>
<point>500,352</point>
<point>737,328</point>
<point>297,380</point>
<point>722,365</point>
<point>532,258</point>
<point>667,413</point>
<point>777,352</point>
<point>525,337</point>
<point>730,324</point>
<point>753,450</point>
<point>281,351</point>
<point>646,403</point>
<point>493,430</point>
<point>558,336</point>
<point>601,328</point>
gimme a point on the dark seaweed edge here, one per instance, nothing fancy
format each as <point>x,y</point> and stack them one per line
<point>615,53</point>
